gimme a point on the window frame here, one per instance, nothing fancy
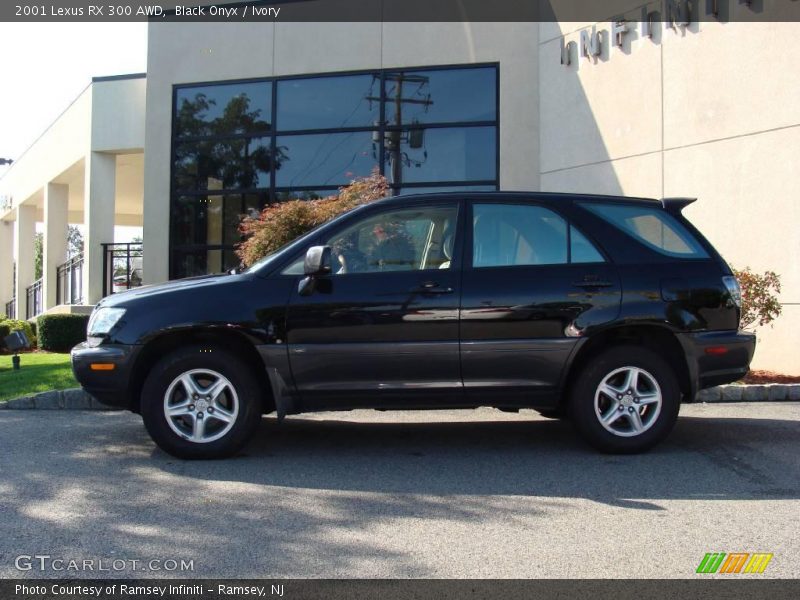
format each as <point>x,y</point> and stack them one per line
<point>469,241</point>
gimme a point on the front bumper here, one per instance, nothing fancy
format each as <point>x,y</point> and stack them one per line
<point>112,387</point>
<point>717,357</point>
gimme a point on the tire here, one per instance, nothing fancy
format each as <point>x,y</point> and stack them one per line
<point>215,425</point>
<point>601,392</point>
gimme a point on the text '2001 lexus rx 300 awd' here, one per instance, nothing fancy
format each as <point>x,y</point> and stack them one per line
<point>608,311</point>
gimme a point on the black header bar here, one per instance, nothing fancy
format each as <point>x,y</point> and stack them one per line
<point>190,11</point>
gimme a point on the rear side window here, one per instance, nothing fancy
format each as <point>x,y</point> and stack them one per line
<point>506,235</point>
<point>654,227</point>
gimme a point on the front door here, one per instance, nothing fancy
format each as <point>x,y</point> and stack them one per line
<point>382,329</point>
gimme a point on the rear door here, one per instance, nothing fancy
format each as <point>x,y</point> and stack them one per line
<point>532,284</point>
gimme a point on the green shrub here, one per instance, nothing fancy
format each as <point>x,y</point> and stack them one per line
<point>9,325</point>
<point>59,333</point>
<point>280,223</point>
<point>760,303</point>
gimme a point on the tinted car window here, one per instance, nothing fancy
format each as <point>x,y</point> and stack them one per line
<point>399,240</point>
<point>581,249</point>
<point>507,235</point>
<point>652,226</point>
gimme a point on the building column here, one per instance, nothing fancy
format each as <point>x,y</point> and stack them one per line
<point>56,236</point>
<point>6,264</point>
<point>98,210</point>
<point>24,236</point>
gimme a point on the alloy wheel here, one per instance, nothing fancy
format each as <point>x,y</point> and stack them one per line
<point>201,405</point>
<point>628,401</point>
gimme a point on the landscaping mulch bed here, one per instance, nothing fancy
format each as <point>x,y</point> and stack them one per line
<point>762,377</point>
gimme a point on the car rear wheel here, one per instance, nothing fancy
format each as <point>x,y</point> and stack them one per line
<point>201,402</point>
<point>626,400</point>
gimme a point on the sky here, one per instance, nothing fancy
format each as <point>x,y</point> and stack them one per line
<point>45,66</point>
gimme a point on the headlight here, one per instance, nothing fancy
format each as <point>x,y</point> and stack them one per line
<point>103,320</point>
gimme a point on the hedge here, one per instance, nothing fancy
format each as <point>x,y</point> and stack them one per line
<point>59,333</point>
<point>9,325</point>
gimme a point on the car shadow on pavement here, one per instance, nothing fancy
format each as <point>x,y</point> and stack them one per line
<point>703,458</point>
<point>319,496</point>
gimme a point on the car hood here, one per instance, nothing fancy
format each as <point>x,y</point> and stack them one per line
<point>170,287</point>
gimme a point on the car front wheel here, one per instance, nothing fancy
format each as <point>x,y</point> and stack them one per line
<point>201,402</point>
<point>626,400</point>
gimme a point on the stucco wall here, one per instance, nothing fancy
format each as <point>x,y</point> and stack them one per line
<point>709,111</point>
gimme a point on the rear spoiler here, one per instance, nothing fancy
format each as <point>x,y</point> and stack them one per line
<point>676,205</point>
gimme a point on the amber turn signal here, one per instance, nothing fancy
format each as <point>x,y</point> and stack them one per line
<point>102,366</point>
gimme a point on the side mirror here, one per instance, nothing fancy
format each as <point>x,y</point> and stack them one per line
<point>318,261</point>
<point>317,265</point>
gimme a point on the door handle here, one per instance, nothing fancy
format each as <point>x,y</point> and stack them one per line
<point>592,283</point>
<point>431,287</point>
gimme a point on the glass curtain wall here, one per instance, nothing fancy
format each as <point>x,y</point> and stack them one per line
<point>239,145</point>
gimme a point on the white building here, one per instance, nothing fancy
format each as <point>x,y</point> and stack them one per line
<point>87,168</point>
<point>241,113</point>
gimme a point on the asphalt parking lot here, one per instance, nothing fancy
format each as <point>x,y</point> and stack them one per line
<point>476,494</point>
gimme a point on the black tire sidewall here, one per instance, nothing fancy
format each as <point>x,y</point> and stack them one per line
<point>581,400</point>
<point>201,357</point>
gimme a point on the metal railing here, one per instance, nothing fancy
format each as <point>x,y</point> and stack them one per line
<point>122,267</point>
<point>33,295</point>
<point>11,308</point>
<point>69,281</point>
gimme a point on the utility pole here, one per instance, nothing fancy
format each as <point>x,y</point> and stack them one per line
<point>394,137</point>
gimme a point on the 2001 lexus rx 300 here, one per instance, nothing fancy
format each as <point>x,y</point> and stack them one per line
<point>608,311</point>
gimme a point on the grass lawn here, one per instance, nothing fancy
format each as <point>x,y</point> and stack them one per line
<point>39,372</point>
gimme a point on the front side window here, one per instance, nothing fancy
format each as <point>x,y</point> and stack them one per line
<point>508,235</point>
<point>652,226</point>
<point>398,240</point>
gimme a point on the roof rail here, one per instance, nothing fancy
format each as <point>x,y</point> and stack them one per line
<point>676,205</point>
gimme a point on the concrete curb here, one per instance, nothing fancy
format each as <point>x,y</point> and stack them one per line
<point>77,399</point>
<point>72,399</point>
<point>770,392</point>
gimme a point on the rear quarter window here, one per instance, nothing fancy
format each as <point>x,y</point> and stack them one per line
<point>653,227</point>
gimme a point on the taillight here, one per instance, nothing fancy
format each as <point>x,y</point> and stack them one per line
<point>734,290</point>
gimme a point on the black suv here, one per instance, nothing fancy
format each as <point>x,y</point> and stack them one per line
<point>608,311</point>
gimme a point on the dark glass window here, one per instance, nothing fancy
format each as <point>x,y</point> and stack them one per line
<point>239,163</point>
<point>328,102</point>
<point>446,96</point>
<point>434,189</point>
<point>234,151</point>
<point>223,109</point>
<point>326,159</point>
<point>202,262</point>
<point>213,219</point>
<point>442,154</point>
<point>305,194</point>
